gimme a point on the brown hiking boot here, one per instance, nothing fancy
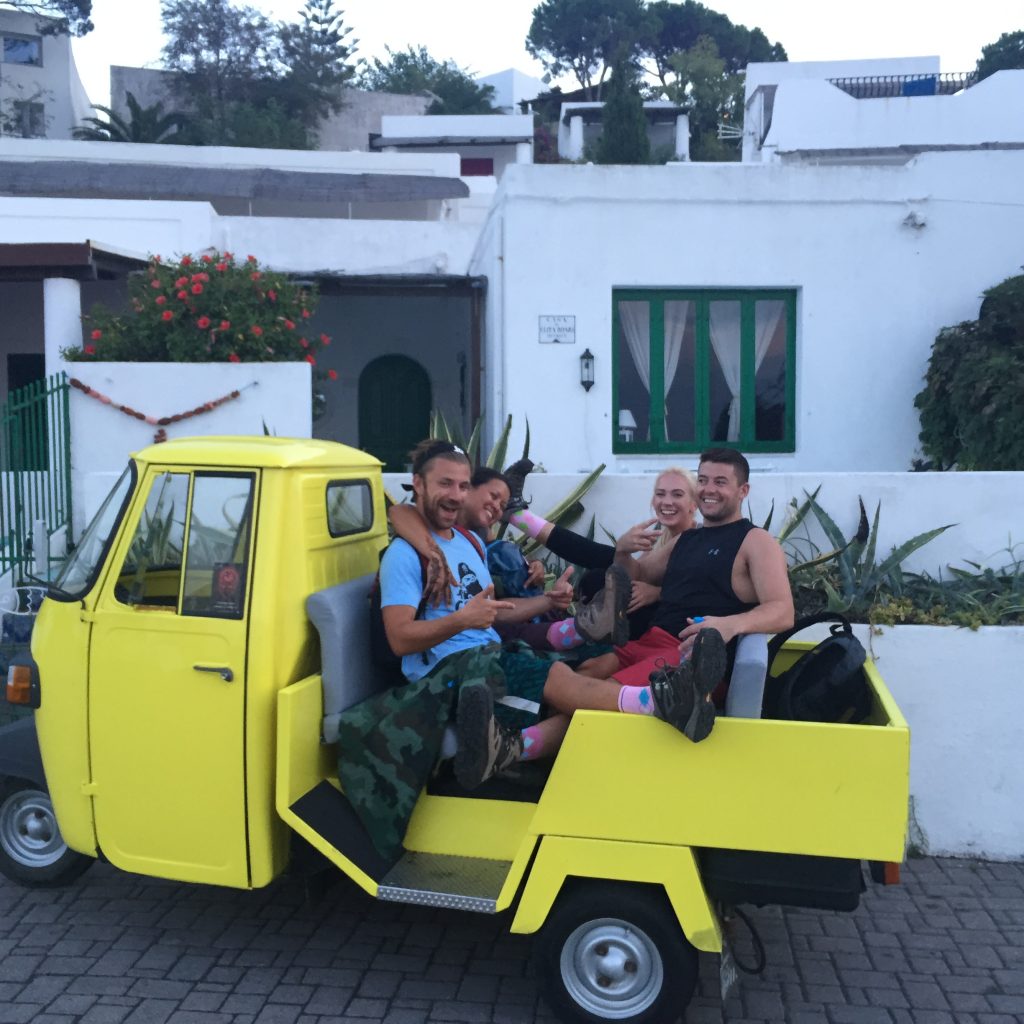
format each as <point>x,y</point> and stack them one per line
<point>603,620</point>
<point>681,693</point>
<point>516,475</point>
<point>485,746</point>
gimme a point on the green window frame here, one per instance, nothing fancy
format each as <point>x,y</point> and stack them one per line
<point>699,378</point>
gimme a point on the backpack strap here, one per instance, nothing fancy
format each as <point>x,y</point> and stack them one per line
<point>776,642</point>
<point>474,540</point>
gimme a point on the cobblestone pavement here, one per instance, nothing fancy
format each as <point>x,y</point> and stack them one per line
<point>946,946</point>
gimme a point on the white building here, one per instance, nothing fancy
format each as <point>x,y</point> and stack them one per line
<point>784,305</point>
<point>41,95</point>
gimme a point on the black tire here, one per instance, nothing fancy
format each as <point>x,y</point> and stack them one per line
<point>615,952</point>
<point>32,850</point>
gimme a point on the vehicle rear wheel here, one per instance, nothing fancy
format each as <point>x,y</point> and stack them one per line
<point>32,850</point>
<point>615,952</point>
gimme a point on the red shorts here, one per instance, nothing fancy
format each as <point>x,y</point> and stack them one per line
<point>640,657</point>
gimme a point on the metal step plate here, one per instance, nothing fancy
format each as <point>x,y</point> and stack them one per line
<point>440,880</point>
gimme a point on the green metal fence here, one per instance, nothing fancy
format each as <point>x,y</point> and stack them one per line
<point>35,476</point>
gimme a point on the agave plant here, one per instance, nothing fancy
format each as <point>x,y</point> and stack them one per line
<point>857,576</point>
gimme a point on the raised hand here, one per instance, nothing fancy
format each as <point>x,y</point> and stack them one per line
<point>638,538</point>
<point>560,595</point>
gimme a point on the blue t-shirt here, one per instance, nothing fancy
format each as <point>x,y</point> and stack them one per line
<point>401,583</point>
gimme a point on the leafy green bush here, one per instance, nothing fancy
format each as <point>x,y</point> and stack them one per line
<point>974,388</point>
<point>208,308</point>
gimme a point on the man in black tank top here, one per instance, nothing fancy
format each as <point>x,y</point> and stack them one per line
<point>728,577</point>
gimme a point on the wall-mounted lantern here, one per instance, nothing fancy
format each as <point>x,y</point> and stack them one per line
<point>587,369</point>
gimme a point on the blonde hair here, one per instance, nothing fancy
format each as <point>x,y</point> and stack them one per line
<point>691,487</point>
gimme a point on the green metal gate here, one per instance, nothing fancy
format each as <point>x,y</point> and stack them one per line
<point>35,477</point>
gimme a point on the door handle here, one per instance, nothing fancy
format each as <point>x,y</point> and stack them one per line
<point>225,673</point>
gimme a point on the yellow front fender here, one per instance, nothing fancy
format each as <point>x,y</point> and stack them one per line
<point>673,867</point>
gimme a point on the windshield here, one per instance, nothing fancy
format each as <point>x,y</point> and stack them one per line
<point>79,572</point>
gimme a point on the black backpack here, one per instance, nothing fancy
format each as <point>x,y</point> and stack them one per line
<point>384,659</point>
<point>827,684</point>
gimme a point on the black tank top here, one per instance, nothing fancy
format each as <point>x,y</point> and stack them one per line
<point>698,578</point>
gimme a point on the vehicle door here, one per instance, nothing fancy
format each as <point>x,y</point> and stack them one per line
<point>167,680</point>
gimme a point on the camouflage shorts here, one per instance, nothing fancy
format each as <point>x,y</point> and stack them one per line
<point>388,744</point>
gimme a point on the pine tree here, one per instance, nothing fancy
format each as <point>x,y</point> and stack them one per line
<point>623,125</point>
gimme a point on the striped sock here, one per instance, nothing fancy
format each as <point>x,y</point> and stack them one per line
<point>528,522</point>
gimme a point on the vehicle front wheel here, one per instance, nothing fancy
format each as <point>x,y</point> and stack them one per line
<point>32,850</point>
<point>615,952</point>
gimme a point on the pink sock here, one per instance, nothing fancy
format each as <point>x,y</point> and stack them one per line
<point>562,635</point>
<point>526,521</point>
<point>636,700</point>
<point>533,743</point>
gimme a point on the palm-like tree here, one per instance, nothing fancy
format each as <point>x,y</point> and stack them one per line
<point>144,124</point>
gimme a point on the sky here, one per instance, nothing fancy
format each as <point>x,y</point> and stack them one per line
<point>484,36</point>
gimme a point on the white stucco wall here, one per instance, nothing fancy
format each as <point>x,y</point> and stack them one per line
<point>275,394</point>
<point>982,509</point>
<point>815,115</point>
<point>872,290</point>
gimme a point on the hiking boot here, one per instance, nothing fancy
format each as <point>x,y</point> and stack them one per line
<point>603,620</point>
<point>682,693</point>
<point>516,475</point>
<point>486,748</point>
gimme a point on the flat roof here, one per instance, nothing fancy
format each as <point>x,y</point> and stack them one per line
<point>82,261</point>
<point>257,452</point>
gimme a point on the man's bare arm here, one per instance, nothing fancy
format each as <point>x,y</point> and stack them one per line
<point>408,635</point>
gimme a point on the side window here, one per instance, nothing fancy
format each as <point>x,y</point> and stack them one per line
<point>151,572</point>
<point>216,566</point>
<point>349,507</point>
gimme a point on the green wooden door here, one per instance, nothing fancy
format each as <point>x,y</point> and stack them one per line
<point>394,409</point>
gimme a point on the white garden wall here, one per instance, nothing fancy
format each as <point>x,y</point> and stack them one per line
<point>102,437</point>
<point>984,506</point>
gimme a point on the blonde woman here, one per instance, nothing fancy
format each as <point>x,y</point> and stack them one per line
<point>674,504</point>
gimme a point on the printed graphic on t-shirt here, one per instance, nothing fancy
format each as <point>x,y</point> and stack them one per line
<point>467,587</point>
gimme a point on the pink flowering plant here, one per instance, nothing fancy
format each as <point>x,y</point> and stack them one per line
<point>207,308</point>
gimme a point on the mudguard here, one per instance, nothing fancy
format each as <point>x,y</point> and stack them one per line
<point>19,752</point>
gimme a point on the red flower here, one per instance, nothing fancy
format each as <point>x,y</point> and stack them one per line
<point>161,300</point>
<point>332,374</point>
<point>303,342</point>
<point>311,360</point>
<point>206,259</point>
<point>233,358</point>
<point>221,266</point>
<point>203,322</point>
<point>290,325</point>
<point>156,258</point>
<point>201,277</point>
<point>250,259</point>
<point>306,314</point>
<point>272,295</point>
<point>324,339</point>
<point>197,289</point>
<point>186,261</point>
<point>225,325</point>
<point>183,296</point>
<point>89,350</point>
<point>154,283</point>
<point>181,282</point>
<point>255,275</point>
<point>229,255</point>
<point>96,335</point>
<point>166,315</point>
<point>257,332</point>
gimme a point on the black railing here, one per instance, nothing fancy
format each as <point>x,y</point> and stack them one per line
<point>874,87</point>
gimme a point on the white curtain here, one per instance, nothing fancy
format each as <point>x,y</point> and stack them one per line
<point>725,340</point>
<point>676,315</point>
<point>635,318</point>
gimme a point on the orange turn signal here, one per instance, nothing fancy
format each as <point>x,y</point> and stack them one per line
<point>19,684</point>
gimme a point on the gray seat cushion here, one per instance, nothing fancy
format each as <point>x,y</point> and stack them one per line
<point>341,615</point>
<point>746,684</point>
